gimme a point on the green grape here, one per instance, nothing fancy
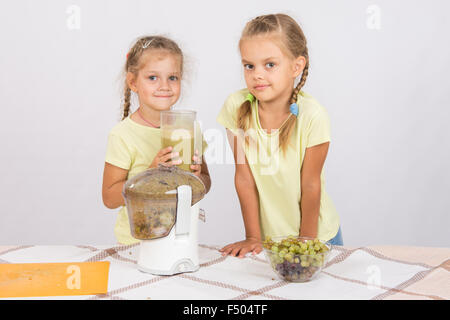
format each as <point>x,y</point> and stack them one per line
<point>316,247</point>
<point>274,249</point>
<point>297,260</point>
<point>281,254</point>
<point>292,248</point>
<point>289,257</point>
<point>304,264</point>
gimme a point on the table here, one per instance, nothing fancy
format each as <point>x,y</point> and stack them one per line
<point>362,273</point>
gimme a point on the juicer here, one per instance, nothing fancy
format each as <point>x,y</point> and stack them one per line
<point>163,211</point>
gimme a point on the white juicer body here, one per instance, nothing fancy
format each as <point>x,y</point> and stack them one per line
<point>178,251</point>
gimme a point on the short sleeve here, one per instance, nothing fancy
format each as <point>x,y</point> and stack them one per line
<point>319,129</point>
<point>228,114</point>
<point>117,152</point>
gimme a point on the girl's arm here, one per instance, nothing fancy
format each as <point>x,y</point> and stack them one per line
<point>249,201</point>
<point>113,181</point>
<point>115,177</point>
<point>205,175</point>
<point>311,189</point>
<point>202,172</point>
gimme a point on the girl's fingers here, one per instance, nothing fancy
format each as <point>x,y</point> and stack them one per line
<point>196,159</point>
<point>235,251</point>
<point>230,251</point>
<point>164,151</point>
<point>225,251</point>
<point>228,247</point>
<point>174,162</point>
<point>168,157</point>
<point>257,250</point>
<point>243,252</point>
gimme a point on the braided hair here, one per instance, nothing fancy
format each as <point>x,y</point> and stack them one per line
<point>294,44</point>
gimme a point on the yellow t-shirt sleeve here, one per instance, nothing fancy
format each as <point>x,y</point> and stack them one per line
<point>117,152</point>
<point>319,129</point>
<point>228,114</point>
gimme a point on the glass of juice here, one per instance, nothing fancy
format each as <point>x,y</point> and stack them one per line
<point>178,130</point>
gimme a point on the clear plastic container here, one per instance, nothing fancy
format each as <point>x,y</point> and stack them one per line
<point>151,200</point>
<point>180,130</point>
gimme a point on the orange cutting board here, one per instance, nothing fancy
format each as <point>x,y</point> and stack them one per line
<point>53,279</point>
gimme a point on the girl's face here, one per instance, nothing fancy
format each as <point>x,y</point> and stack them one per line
<point>268,71</point>
<point>158,82</point>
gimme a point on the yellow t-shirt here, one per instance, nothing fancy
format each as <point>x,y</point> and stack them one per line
<point>132,146</point>
<point>277,176</point>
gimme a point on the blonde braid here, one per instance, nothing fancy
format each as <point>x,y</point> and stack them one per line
<point>127,102</point>
<point>300,84</point>
<point>286,130</point>
<point>292,42</point>
<point>244,114</point>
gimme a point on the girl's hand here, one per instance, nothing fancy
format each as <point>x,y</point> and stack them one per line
<point>165,157</point>
<point>241,248</point>
<point>196,167</point>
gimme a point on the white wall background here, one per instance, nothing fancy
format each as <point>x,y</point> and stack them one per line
<point>379,67</point>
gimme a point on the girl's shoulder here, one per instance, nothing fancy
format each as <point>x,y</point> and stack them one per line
<point>309,106</point>
<point>121,128</point>
<point>235,99</point>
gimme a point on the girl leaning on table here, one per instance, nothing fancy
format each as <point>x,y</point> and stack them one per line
<point>153,70</point>
<point>280,138</point>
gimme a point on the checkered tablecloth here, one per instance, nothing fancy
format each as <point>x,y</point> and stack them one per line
<point>381,272</point>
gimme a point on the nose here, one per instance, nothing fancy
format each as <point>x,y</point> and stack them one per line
<point>164,85</point>
<point>258,74</point>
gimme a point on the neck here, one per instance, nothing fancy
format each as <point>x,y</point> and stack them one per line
<point>150,115</point>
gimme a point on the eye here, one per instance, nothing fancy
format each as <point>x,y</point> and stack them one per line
<point>173,78</point>
<point>248,66</point>
<point>270,65</point>
<point>153,78</point>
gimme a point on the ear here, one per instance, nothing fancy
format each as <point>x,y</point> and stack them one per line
<point>299,65</point>
<point>131,81</point>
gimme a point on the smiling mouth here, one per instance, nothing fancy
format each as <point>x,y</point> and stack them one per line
<point>262,87</point>
<point>163,96</point>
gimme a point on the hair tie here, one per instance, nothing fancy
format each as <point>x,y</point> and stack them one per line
<point>294,109</point>
<point>250,98</point>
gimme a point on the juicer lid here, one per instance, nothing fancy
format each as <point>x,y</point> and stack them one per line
<point>161,184</point>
